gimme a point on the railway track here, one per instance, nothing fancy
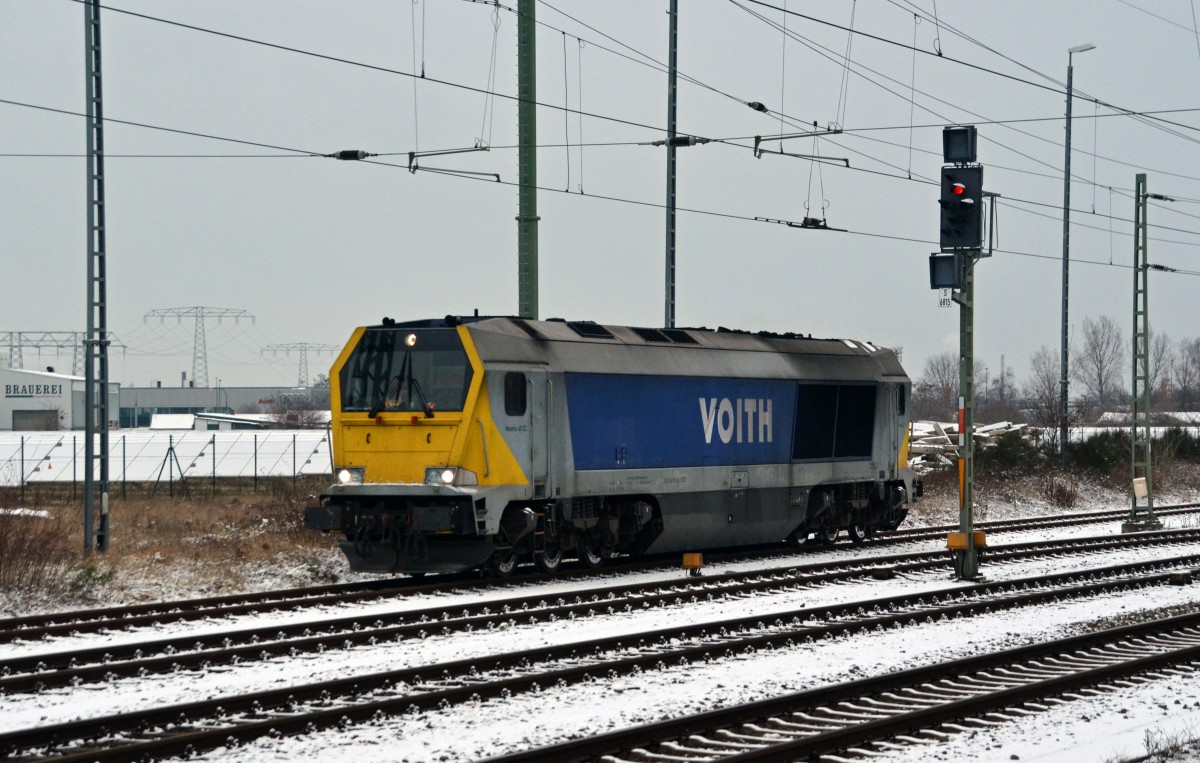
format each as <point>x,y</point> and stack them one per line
<point>864,718</point>
<point>189,728</point>
<point>35,627</point>
<point>41,671</point>
<point>73,666</point>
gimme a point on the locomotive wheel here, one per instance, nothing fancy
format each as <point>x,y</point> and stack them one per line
<point>503,563</point>
<point>857,533</point>
<point>590,556</point>
<point>827,534</point>
<point>550,559</point>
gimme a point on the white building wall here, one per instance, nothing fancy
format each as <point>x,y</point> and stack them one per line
<point>41,400</point>
<point>36,399</point>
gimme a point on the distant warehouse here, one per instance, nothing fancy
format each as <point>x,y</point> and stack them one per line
<point>38,401</point>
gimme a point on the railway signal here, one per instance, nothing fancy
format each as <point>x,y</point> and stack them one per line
<point>953,268</point>
<point>962,208</point>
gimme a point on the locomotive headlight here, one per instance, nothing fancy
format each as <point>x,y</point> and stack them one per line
<point>350,475</point>
<point>449,475</point>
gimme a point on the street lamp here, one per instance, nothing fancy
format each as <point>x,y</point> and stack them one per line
<point>1066,256</point>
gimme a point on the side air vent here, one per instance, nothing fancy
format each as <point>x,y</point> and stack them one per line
<point>590,329</point>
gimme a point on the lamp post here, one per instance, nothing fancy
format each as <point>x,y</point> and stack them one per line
<point>1066,256</point>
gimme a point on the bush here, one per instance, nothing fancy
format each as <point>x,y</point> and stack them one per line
<point>1108,453</point>
<point>33,551</point>
<point>1060,490</point>
<point>1178,443</point>
<point>1010,452</point>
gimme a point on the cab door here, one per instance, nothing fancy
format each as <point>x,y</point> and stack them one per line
<point>540,405</point>
<point>523,418</point>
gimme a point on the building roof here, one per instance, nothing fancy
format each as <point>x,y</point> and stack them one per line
<point>40,374</point>
<point>173,421</point>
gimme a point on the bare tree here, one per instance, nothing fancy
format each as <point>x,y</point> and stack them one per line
<point>1099,359</point>
<point>1042,388</point>
<point>1162,353</point>
<point>1185,370</point>
<point>935,392</point>
<point>300,414</point>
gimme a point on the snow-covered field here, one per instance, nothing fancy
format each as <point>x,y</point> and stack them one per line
<point>1108,728</point>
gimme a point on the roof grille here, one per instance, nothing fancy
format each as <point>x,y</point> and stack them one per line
<point>679,336</point>
<point>524,326</point>
<point>590,329</point>
<point>651,335</point>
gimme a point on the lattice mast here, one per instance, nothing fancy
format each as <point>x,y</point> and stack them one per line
<point>527,216</point>
<point>95,488</point>
<point>1141,512</point>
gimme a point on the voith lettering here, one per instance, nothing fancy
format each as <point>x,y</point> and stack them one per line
<point>737,419</point>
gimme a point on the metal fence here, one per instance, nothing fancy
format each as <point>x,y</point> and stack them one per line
<point>166,457</point>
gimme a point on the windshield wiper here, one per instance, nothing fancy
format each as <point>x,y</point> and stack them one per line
<point>414,388</point>
<point>395,381</point>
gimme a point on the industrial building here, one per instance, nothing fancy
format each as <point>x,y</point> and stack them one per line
<point>45,401</point>
<point>138,405</point>
<point>40,401</point>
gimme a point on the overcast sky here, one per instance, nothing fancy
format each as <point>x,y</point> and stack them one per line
<point>312,247</point>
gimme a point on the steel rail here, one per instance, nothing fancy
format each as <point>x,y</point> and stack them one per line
<point>40,671</point>
<point>132,616</point>
<point>928,715</point>
<point>282,711</point>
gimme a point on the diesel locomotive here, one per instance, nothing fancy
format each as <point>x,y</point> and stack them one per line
<point>482,442</point>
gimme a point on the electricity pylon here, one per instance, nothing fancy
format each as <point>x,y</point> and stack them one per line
<point>303,348</point>
<point>49,340</point>
<point>199,343</point>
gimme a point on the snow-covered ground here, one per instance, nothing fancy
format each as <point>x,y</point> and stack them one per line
<point>1103,729</point>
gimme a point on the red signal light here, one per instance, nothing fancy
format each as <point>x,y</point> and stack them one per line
<point>958,189</point>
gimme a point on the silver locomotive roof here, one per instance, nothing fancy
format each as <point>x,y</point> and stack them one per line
<point>587,347</point>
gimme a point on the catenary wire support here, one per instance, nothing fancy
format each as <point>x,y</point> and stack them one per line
<point>1141,510</point>
<point>810,223</point>
<point>672,94</point>
<point>96,397</point>
<point>1065,359</point>
<point>527,216</point>
<point>414,160</point>
<point>815,132</point>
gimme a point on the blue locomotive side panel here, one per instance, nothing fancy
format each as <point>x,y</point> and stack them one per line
<point>645,422</point>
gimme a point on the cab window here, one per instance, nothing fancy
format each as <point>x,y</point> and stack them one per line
<point>515,393</point>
